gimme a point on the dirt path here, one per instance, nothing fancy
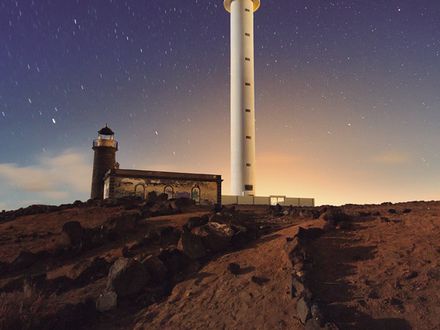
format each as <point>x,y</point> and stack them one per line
<point>217,299</point>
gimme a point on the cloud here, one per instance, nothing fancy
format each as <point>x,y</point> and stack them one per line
<point>62,177</point>
<point>392,158</point>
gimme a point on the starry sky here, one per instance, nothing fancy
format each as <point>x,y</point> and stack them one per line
<point>347,95</point>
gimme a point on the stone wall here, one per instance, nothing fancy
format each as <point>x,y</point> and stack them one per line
<point>126,187</point>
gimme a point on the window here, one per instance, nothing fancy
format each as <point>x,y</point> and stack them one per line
<point>195,194</point>
<point>247,34</point>
<point>248,137</point>
<point>248,110</point>
<point>169,191</point>
<point>248,187</point>
<point>139,190</point>
<point>248,164</point>
<point>247,84</point>
<point>247,59</point>
<point>247,9</point>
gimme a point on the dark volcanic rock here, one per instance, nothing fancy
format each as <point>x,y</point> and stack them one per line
<point>182,203</point>
<point>194,222</point>
<point>72,316</point>
<point>169,235</point>
<point>309,234</point>
<point>107,301</point>
<point>335,215</point>
<point>303,310</point>
<point>156,268</point>
<point>127,277</point>
<point>193,246</point>
<point>234,268</point>
<point>123,223</point>
<point>90,270</point>
<point>309,213</point>
<point>176,262</point>
<point>162,197</point>
<point>259,280</point>
<point>216,236</point>
<point>27,259</point>
<point>212,237</point>
<point>74,232</point>
<point>297,287</point>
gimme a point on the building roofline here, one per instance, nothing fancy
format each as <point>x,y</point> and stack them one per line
<point>163,175</point>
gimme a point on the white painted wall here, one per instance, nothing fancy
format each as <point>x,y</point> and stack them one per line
<point>242,95</point>
<point>264,200</point>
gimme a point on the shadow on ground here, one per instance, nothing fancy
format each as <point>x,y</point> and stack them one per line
<point>334,258</point>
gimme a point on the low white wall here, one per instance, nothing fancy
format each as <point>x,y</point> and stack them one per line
<point>263,200</point>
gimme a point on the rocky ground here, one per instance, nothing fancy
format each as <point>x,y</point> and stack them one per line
<point>165,264</point>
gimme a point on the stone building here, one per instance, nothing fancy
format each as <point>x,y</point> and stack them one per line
<point>108,181</point>
<point>202,188</point>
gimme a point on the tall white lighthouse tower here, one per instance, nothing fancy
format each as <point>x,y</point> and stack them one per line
<point>242,95</point>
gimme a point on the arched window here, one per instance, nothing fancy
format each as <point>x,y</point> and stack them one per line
<point>169,191</point>
<point>139,190</point>
<point>195,194</point>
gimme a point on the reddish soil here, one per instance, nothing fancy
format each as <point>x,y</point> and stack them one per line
<point>382,273</point>
<point>41,232</point>
<point>217,299</point>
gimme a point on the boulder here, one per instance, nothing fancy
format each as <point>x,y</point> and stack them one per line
<point>276,210</point>
<point>303,310</point>
<point>234,268</point>
<point>162,197</point>
<point>72,316</point>
<point>176,262</point>
<point>74,232</point>
<point>184,202</point>
<point>309,213</point>
<point>260,280</point>
<point>298,287</point>
<point>194,222</point>
<point>193,246</point>
<point>216,236</point>
<point>293,250</point>
<point>151,197</point>
<point>243,235</point>
<point>155,268</point>
<point>169,235</point>
<point>107,301</point>
<point>313,324</point>
<point>335,215</point>
<point>127,277</point>
<point>26,259</point>
<point>344,225</point>
<point>222,217</point>
<point>309,234</point>
<point>89,270</point>
<point>160,208</point>
<point>122,224</point>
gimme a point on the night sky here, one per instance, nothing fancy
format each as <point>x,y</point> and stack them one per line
<point>347,95</point>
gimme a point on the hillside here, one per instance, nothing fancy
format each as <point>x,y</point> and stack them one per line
<point>173,265</point>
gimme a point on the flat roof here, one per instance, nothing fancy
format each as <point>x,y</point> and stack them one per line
<point>163,175</point>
